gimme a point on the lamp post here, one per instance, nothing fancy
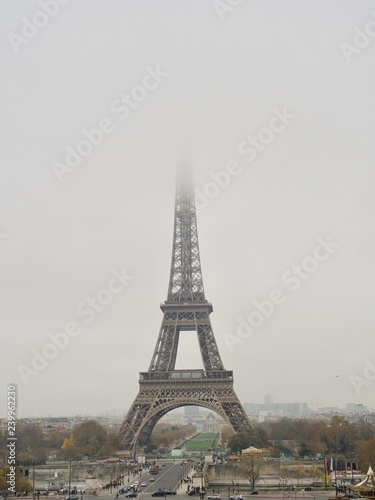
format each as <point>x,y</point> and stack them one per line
<point>325,472</point>
<point>336,476</point>
<point>201,488</point>
<point>70,477</point>
<point>33,478</point>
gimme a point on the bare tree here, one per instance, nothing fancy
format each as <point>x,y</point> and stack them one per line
<point>252,464</point>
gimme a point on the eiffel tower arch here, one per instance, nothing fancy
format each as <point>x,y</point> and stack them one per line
<point>163,388</point>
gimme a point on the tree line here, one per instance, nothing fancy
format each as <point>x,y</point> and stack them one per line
<point>297,438</point>
<point>304,437</point>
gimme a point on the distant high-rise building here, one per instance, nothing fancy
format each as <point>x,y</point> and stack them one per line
<point>355,408</point>
<point>276,409</point>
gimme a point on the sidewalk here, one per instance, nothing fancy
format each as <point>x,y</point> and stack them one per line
<point>182,490</point>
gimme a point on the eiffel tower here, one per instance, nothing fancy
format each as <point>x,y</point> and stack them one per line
<point>162,387</point>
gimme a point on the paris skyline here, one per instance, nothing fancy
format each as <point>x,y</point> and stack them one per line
<point>271,104</point>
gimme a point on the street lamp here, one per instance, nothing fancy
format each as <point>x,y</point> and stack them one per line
<point>33,478</point>
<point>202,491</point>
<point>336,476</point>
<point>70,477</point>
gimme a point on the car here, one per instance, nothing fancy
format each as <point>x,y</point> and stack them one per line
<point>170,492</point>
<point>143,484</point>
<point>72,497</point>
<point>159,493</point>
<point>131,495</point>
<point>152,479</point>
<point>214,496</point>
<point>235,497</point>
<point>254,492</point>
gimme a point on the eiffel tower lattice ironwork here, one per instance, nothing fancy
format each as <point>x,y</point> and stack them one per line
<point>162,387</point>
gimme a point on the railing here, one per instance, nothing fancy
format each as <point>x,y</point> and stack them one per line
<point>186,375</point>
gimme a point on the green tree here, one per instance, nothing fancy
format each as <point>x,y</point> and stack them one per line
<point>240,441</point>
<point>303,450</point>
<point>23,484</point>
<point>89,437</point>
<point>30,437</point>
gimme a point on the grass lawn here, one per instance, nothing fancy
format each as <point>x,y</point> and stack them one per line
<point>202,441</point>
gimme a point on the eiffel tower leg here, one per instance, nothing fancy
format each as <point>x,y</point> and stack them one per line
<point>134,420</point>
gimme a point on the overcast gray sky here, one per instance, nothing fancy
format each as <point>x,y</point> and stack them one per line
<point>193,81</point>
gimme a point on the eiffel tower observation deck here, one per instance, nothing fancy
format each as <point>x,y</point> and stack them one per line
<point>162,387</point>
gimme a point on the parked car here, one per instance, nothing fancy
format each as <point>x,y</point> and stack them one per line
<point>196,490</point>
